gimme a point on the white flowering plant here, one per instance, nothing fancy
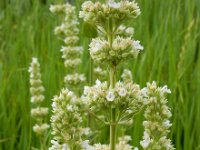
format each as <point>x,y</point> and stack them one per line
<point>112,102</point>
<point>38,112</point>
<point>68,32</point>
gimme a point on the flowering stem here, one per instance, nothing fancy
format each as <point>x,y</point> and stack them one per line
<point>113,129</point>
<point>42,144</point>
<point>112,76</point>
<point>112,84</point>
<point>113,112</point>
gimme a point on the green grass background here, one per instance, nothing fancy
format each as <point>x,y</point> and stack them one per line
<point>169,30</point>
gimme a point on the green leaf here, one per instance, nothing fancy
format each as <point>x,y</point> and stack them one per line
<point>89,30</point>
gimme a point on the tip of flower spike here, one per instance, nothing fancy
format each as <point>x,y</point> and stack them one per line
<point>34,59</point>
<point>98,82</point>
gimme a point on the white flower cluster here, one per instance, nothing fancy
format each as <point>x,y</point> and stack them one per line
<point>122,145</point>
<point>37,97</point>
<point>39,112</point>
<point>126,98</point>
<point>71,55</point>
<point>120,50</point>
<point>66,120</point>
<point>40,129</point>
<point>157,116</point>
<point>74,79</point>
<point>71,52</point>
<point>127,76</point>
<point>98,13</point>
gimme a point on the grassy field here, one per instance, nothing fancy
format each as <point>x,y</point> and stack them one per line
<point>169,30</point>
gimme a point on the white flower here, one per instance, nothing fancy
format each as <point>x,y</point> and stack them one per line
<point>86,145</point>
<point>86,131</point>
<point>96,46</point>
<point>82,77</point>
<point>137,45</point>
<point>144,92</point>
<point>167,124</point>
<point>166,90</point>
<point>145,143</point>
<point>70,108</point>
<point>166,143</point>
<point>69,93</point>
<point>65,147</point>
<point>86,90</point>
<point>98,82</point>
<point>53,105</point>
<point>110,96</point>
<point>130,31</point>
<point>122,92</point>
<point>114,5</point>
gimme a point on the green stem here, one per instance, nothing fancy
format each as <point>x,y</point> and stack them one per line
<point>112,73</point>
<point>113,129</point>
<point>113,112</point>
<point>112,76</point>
<point>41,142</point>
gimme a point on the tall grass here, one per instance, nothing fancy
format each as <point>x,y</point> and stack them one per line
<point>169,31</point>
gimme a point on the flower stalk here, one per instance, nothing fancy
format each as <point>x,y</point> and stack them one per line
<point>112,72</point>
<point>113,123</point>
<point>113,126</point>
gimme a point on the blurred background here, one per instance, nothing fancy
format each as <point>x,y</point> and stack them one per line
<point>169,30</point>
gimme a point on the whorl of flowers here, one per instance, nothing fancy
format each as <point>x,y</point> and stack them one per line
<point>120,50</point>
<point>39,113</point>
<point>126,98</point>
<point>101,14</point>
<point>71,55</point>
<point>66,121</point>
<point>69,33</point>
<point>121,145</point>
<point>157,114</point>
<point>74,79</point>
